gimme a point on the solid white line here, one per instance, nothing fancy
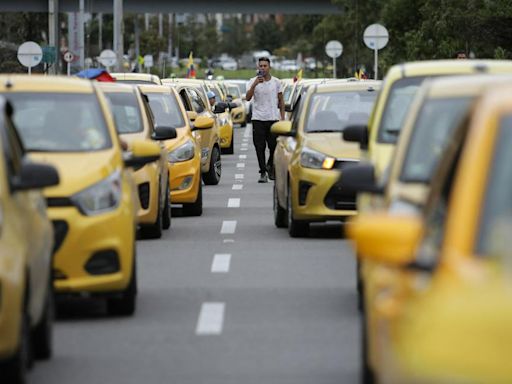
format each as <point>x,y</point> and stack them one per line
<point>240,165</point>
<point>221,263</point>
<point>237,187</point>
<point>234,202</point>
<point>228,227</point>
<point>211,319</point>
<point>242,156</point>
<point>239,175</point>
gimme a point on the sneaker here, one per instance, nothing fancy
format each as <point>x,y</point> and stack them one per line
<point>263,178</point>
<point>271,174</point>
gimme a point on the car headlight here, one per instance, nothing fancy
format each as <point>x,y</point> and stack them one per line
<point>101,197</point>
<point>310,158</point>
<point>183,153</point>
<point>223,121</point>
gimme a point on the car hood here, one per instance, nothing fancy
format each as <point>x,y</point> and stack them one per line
<point>182,135</point>
<point>78,171</point>
<point>332,144</point>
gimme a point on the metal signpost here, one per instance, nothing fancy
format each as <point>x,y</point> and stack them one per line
<point>29,55</point>
<point>376,37</point>
<point>68,58</point>
<point>148,62</point>
<point>333,49</point>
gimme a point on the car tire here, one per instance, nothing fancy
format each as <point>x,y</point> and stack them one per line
<point>367,374</point>
<point>14,370</point>
<point>212,177</point>
<point>42,338</point>
<point>360,286</point>
<point>126,304</point>
<point>244,124</point>
<point>296,228</point>
<point>153,231</point>
<point>195,208</point>
<point>280,218</point>
<point>166,214</point>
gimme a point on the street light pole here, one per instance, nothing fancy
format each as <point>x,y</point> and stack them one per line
<point>118,33</point>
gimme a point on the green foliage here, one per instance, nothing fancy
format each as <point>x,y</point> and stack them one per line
<point>235,40</point>
<point>267,35</point>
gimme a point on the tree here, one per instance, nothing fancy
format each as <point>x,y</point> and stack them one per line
<point>267,35</point>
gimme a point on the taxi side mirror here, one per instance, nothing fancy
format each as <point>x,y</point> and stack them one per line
<point>164,133</point>
<point>203,122</point>
<point>360,178</point>
<point>220,107</point>
<point>357,134</point>
<point>282,128</point>
<point>385,238</point>
<point>141,152</point>
<point>34,176</point>
<point>192,115</point>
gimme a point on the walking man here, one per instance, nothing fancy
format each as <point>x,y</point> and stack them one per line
<point>267,108</point>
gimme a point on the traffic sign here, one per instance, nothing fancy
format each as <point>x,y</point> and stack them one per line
<point>333,49</point>
<point>148,61</point>
<point>68,56</point>
<point>376,37</point>
<point>108,58</point>
<point>49,54</point>
<point>30,54</point>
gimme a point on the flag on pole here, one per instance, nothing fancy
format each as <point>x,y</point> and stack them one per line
<point>298,76</point>
<point>191,72</point>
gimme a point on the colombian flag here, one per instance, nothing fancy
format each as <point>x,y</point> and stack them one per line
<point>360,74</point>
<point>298,76</point>
<point>191,71</point>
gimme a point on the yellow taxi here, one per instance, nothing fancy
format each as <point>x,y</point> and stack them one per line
<point>310,152</point>
<point>134,121</point>
<point>184,159</point>
<point>442,312</point>
<point>26,243</point>
<point>223,116</point>
<point>136,78</point>
<point>238,114</point>
<point>68,123</point>
<point>193,97</point>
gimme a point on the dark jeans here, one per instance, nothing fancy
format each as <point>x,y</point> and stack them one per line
<point>261,136</point>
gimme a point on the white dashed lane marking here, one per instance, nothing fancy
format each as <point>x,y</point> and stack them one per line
<point>237,187</point>
<point>221,263</point>
<point>241,157</point>
<point>239,176</point>
<point>240,165</point>
<point>228,227</point>
<point>234,202</point>
<point>211,319</point>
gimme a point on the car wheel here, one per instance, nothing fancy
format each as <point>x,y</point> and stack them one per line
<point>195,208</point>
<point>14,370</point>
<point>212,177</point>
<point>166,213</point>
<point>152,231</point>
<point>367,374</point>
<point>280,219</point>
<point>296,228</point>
<point>42,339</point>
<point>125,305</point>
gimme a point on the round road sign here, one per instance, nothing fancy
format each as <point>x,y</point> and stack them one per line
<point>30,54</point>
<point>68,57</point>
<point>334,49</point>
<point>376,36</point>
<point>108,58</point>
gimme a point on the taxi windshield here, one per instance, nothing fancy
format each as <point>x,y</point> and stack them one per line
<point>166,110</point>
<point>125,108</point>
<point>59,122</point>
<point>431,133</point>
<point>400,98</point>
<point>333,111</point>
<point>496,221</point>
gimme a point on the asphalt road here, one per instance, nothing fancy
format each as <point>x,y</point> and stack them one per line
<point>253,306</point>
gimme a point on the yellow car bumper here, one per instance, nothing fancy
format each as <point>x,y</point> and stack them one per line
<point>317,196</point>
<point>146,180</point>
<point>95,253</point>
<point>185,180</point>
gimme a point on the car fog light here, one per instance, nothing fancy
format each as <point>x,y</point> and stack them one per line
<point>187,181</point>
<point>103,262</point>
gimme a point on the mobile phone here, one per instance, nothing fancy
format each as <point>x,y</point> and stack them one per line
<point>261,73</point>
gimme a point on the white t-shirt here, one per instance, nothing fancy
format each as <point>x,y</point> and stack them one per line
<point>265,104</point>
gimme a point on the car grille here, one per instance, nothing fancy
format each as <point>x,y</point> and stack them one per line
<point>341,164</point>
<point>144,195</point>
<point>339,199</point>
<point>59,202</point>
<point>60,230</point>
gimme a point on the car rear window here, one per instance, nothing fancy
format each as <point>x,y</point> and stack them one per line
<point>166,110</point>
<point>60,122</point>
<point>432,130</point>
<point>496,220</point>
<point>126,110</point>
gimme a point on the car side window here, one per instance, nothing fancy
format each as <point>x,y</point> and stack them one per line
<point>14,149</point>
<point>197,102</point>
<point>184,99</point>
